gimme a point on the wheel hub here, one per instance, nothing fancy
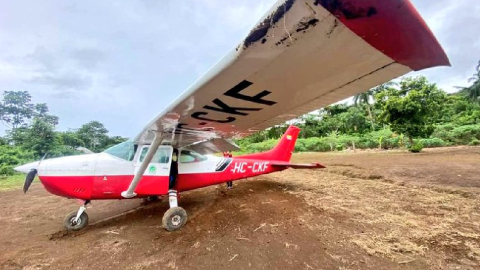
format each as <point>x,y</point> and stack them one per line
<point>73,222</point>
<point>176,220</point>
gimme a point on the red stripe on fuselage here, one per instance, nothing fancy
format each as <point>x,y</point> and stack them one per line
<point>393,27</point>
<point>96,188</point>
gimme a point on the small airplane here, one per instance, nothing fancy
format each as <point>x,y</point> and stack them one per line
<point>301,56</point>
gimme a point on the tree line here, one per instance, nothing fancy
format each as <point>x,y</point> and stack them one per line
<point>31,133</point>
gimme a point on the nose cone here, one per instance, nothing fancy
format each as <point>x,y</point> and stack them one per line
<point>27,167</point>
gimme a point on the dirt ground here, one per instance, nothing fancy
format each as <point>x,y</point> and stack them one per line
<point>367,210</point>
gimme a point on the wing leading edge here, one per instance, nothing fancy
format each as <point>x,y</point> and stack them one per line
<point>302,56</point>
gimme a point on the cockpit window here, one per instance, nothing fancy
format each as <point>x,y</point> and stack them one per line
<point>125,150</point>
<point>187,156</point>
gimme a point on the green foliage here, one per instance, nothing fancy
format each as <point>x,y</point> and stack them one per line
<point>474,142</point>
<point>71,139</point>
<point>432,142</point>
<point>413,109</point>
<point>10,156</point>
<point>416,147</point>
<point>40,138</point>
<point>94,135</point>
<point>41,113</point>
<point>32,134</point>
<point>473,91</point>
<point>457,135</point>
<point>16,108</point>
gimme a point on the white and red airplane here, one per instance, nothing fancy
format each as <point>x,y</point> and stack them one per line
<point>301,56</point>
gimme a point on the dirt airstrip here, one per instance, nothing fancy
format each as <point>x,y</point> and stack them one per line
<point>367,210</point>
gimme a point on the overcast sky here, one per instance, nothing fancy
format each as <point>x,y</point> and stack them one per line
<point>121,62</point>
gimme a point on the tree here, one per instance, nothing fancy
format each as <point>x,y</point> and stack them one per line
<point>40,137</point>
<point>473,91</point>
<point>413,109</point>
<point>114,140</point>
<point>364,99</point>
<point>18,136</point>
<point>355,120</point>
<point>16,108</point>
<point>94,134</point>
<point>41,112</point>
<point>71,139</point>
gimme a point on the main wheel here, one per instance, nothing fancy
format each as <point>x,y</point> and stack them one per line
<point>174,218</point>
<point>71,225</point>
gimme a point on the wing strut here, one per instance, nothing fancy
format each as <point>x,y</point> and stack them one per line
<point>129,193</point>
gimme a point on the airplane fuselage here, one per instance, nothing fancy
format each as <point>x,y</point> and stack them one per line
<point>100,176</point>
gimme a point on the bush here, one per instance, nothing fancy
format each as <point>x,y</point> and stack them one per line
<point>416,147</point>
<point>433,142</point>
<point>339,147</point>
<point>258,147</point>
<point>444,135</point>
<point>475,142</point>
<point>315,144</point>
<point>347,141</point>
<point>11,156</point>
<point>443,131</point>
<point>459,135</point>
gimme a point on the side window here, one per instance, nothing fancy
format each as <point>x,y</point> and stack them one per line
<point>187,156</point>
<point>161,156</point>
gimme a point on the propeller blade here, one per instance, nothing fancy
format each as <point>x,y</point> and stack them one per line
<point>29,179</point>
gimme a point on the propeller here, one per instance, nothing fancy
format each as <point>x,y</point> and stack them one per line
<point>29,179</point>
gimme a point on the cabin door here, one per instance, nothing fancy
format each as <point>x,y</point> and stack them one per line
<point>156,176</point>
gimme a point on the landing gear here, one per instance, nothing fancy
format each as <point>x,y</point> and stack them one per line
<point>77,220</point>
<point>176,216</point>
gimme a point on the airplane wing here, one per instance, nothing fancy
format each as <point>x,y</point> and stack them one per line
<point>301,56</point>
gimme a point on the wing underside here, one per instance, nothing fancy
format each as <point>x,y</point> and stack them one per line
<point>302,56</point>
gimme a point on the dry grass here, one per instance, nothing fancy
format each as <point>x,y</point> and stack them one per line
<point>399,220</point>
<point>11,181</point>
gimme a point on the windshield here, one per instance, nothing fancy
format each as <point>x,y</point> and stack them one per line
<point>125,150</point>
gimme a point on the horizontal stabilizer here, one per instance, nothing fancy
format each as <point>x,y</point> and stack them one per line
<point>298,166</point>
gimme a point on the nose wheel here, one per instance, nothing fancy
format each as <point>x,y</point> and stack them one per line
<point>176,216</point>
<point>77,220</point>
<point>71,223</point>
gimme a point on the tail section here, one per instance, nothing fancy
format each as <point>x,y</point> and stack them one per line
<point>283,150</point>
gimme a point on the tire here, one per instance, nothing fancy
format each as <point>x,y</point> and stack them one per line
<point>174,219</point>
<point>68,222</point>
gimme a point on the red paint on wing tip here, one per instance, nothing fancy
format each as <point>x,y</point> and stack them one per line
<point>393,27</point>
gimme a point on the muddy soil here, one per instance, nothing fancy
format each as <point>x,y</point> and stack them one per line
<point>367,210</point>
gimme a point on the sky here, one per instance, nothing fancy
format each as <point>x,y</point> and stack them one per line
<point>122,62</point>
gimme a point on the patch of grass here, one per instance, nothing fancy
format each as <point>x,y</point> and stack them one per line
<point>11,181</point>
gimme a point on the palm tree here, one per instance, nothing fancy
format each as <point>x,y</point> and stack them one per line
<point>364,98</point>
<point>473,91</point>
